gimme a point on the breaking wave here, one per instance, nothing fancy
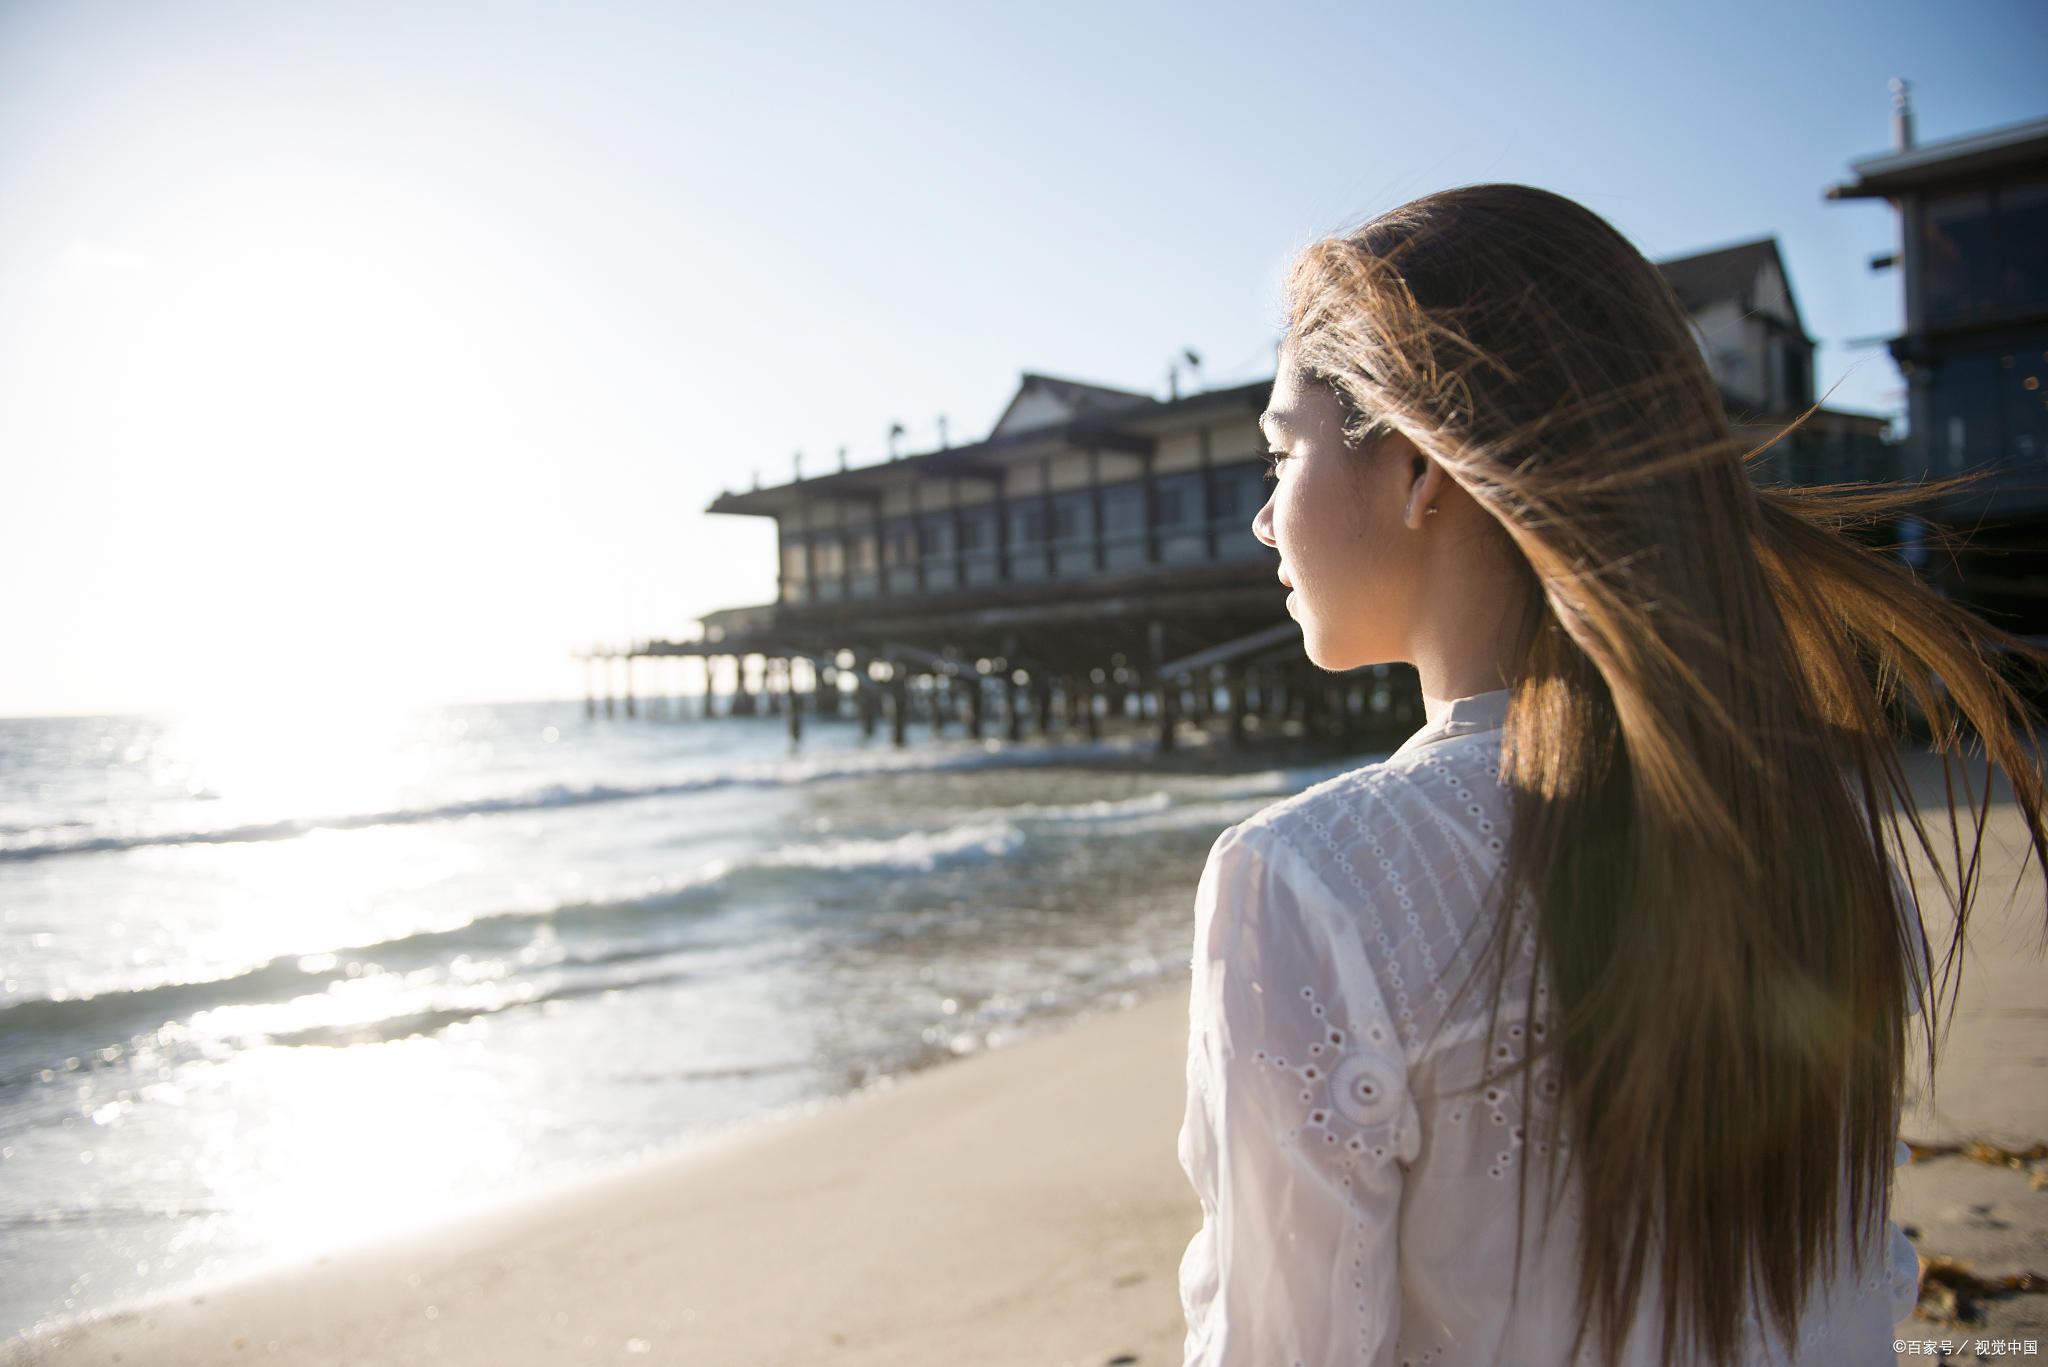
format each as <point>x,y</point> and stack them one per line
<point>35,843</point>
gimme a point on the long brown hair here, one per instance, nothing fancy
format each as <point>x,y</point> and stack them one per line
<point>1702,746</point>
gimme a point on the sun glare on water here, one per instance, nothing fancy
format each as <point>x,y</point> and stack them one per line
<point>354,1143</point>
<point>305,756</point>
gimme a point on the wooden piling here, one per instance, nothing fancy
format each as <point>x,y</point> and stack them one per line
<point>1220,690</point>
<point>1233,679</point>
<point>742,704</point>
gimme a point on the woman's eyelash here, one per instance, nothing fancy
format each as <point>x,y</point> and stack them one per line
<point>1273,459</point>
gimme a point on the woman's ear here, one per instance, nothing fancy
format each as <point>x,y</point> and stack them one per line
<point>1425,482</point>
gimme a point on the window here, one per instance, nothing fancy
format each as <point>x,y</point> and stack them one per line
<point>1124,543</point>
<point>1027,524</point>
<point>937,536</point>
<point>1795,374</point>
<point>1240,493</point>
<point>1073,516</point>
<point>1958,257</point>
<point>1735,370</point>
<point>1985,249</point>
<point>978,531</point>
<point>1180,500</point>
<point>979,562</point>
<point>2023,242</point>
<point>1966,416</point>
<point>793,578</point>
<point>1991,411</point>
<point>828,556</point>
<point>1123,510</point>
<point>2024,376</point>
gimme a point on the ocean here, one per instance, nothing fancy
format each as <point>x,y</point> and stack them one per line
<point>282,983</point>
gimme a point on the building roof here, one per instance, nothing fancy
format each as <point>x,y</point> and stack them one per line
<point>1130,426</point>
<point>1750,273</point>
<point>1044,401</point>
<point>1727,273</point>
<point>2017,147</point>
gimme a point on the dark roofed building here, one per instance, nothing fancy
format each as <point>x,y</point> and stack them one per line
<point>1749,328</point>
<point>1974,230</point>
<point>1756,347</point>
<point>1973,219</point>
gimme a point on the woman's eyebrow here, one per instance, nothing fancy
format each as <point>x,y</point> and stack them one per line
<point>1271,422</point>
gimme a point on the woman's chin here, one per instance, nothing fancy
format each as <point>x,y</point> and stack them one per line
<point>1329,655</point>
<point>1337,654</point>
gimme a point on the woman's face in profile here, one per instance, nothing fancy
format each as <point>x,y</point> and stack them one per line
<point>1338,517</point>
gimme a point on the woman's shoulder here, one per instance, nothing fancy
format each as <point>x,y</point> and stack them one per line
<point>1449,776</point>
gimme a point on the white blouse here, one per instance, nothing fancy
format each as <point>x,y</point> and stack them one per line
<point>1358,1179</point>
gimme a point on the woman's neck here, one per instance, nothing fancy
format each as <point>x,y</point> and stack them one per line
<point>1468,631</point>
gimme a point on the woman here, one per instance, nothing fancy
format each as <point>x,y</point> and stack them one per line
<point>1575,1030</point>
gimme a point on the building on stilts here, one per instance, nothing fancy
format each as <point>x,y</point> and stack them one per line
<point>1090,561</point>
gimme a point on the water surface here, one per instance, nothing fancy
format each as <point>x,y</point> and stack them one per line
<point>273,985</point>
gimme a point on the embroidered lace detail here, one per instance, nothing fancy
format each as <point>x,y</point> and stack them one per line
<point>1387,1095</point>
<point>1351,1099</point>
<point>1396,841</point>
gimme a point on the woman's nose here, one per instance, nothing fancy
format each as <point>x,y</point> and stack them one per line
<point>1262,524</point>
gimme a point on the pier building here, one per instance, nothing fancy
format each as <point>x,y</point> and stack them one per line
<point>1092,556</point>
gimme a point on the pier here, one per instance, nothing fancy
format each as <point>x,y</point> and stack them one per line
<point>1262,683</point>
<point>1091,560</point>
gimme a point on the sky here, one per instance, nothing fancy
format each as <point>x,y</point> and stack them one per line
<point>391,352</point>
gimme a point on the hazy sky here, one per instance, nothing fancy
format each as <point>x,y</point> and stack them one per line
<point>394,349</point>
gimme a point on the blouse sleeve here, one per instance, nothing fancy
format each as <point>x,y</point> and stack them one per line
<point>1298,1122</point>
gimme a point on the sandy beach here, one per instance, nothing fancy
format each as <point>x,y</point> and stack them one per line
<point>1992,1086</point>
<point>1023,1206</point>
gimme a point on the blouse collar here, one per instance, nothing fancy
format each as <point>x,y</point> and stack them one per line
<point>1464,717</point>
